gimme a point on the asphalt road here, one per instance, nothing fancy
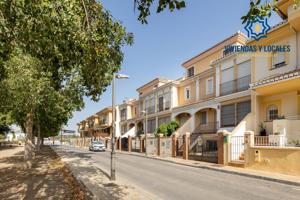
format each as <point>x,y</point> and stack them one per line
<point>171,182</point>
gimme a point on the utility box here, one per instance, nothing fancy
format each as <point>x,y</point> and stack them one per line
<point>257,156</point>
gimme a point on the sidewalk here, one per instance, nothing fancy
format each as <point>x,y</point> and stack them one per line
<point>269,176</point>
<point>45,178</point>
<point>97,182</point>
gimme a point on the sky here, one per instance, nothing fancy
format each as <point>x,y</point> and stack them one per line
<point>169,39</point>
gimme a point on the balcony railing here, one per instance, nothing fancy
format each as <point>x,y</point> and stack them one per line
<point>151,110</point>
<point>234,86</point>
<point>103,121</point>
<point>210,127</point>
<point>163,107</point>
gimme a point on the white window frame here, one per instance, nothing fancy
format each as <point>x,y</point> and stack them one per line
<point>208,92</point>
<point>185,93</point>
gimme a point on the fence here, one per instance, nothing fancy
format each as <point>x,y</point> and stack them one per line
<point>151,147</point>
<point>135,144</point>
<point>165,146</point>
<point>204,147</point>
<point>80,142</point>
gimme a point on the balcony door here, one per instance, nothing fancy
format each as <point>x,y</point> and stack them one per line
<point>161,104</point>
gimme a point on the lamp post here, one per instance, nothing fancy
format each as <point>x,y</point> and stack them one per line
<point>113,151</point>
<point>146,127</point>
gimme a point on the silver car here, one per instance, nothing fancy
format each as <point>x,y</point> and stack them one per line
<point>97,146</point>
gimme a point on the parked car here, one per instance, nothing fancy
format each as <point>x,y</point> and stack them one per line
<point>97,146</point>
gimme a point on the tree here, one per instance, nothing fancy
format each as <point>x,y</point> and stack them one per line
<point>5,122</point>
<point>144,7</point>
<point>52,53</point>
<point>263,10</point>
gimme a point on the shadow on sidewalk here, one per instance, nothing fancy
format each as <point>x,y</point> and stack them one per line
<point>47,179</point>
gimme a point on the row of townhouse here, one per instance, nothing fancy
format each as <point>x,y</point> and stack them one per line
<point>221,90</point>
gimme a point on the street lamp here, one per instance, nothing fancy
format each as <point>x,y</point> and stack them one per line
<point>113,151</point>
<point>146,121</point>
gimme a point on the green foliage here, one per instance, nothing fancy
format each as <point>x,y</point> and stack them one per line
<point>2,136</point>
<point>263,10</point>
<point>52,54</point>
<point>144,7</point>
<point>172,127</point>
<point>167,129</point>
<point>5,121</point>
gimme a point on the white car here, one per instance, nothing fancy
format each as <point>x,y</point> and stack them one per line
<point>97,146</point>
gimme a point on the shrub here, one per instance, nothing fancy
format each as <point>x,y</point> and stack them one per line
<point>167,129</point>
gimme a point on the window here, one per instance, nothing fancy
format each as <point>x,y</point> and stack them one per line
<point>123,129</point>
<point>244,69</point>
<point>160,104</point>
<point>187,93</point>
<point>124,114</point>
<point>228,115</point>
<point>278,60</point>
<point>190,72</point>
<point>209,86</point>
<point>233,114</point>
<point>242,109</point>
<point>227,83</point>
<point>244,76</point>
<point>203,117</point>
<point>151,126</point>
<point>163,120</point>
<point>272,112</point>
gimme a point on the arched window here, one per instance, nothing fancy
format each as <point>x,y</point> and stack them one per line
<point>272,112</point>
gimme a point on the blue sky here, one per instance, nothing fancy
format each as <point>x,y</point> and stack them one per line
<point>169,39</point>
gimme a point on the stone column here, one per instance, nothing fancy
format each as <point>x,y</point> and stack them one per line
<point>223,147</point>
<point>120,143</point>
<point>142,146</point>
<point>158,144</point>
<point>249,143</point>
<point>129,143</point>
<point>186,145</point>
<point>116,143</point>
<point>174,145</point>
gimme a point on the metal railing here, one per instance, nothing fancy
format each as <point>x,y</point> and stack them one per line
<point>210,127</point>
<point>164,106</point>
<point>237,148</point>
<point>151,110</point>
<point>236,85</point>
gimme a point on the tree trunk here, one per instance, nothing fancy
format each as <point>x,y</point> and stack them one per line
<point>29,147</point>
<point>38,138</point>
<point>42,141</point>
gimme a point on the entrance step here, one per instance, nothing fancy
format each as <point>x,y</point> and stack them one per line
<point>237,163</point>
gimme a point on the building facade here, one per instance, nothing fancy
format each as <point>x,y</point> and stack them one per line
<point>220,90</point>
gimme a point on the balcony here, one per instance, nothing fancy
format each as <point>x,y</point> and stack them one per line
<point>150,110</point>
<point>163,107</point>
<point>210,127</point>
<point>236,85</point>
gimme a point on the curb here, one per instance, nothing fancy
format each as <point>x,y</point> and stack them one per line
<point>292,183</point>
<point>88,192</point>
